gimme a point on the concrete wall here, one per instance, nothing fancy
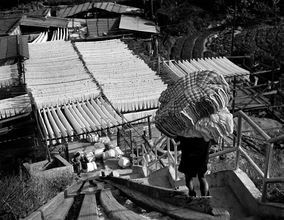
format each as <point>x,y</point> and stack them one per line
<point>246,192</point>
<point>40,169</point>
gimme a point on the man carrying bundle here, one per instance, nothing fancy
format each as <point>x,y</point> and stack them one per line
<point>194,160</point>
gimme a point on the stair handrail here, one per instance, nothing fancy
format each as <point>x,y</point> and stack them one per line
<point>237,147</point>
<point>266,179</point>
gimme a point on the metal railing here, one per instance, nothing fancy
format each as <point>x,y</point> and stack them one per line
<point>173,155</point>
<point>266,179</point>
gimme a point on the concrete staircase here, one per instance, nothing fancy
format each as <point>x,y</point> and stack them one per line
<point>230,190</point>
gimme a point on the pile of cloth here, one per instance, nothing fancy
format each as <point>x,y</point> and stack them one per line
<point>196,106</point>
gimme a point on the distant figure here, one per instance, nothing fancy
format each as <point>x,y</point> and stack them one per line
<point>76,161</point>
<point>84,162</point>
<point>194,160</point>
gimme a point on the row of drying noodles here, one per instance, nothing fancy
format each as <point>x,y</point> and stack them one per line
<point>222,65</point>
<point>134,116</point>
<point>126,80</point>
<point>59,34</point>
<point>42,37</point>
<point>76,119</point>
<point>196,106</point>
<point>9,75</point>
<point>15,106</point>
<point>57,77</point>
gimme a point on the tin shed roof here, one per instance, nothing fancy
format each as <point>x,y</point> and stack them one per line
<point>136,23</point>
<point>117,8</point>
<point>70,11</point>
<point>7,23</point>
<point>44,12</point>
<point>107,6</point>
<point>13,46</point>
<point>44,22</point>
<point>97,27</point>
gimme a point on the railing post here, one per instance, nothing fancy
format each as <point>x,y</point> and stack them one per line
<point>118,137</point>
<point>168,150</point>
<point>156,157</point>
<point>131,147</point>
<point>176,168</point>
<point>149,128</point>
<point>268,158</point>
<point>131,138</point>
<point>239,140</point>
<point>143,155</point>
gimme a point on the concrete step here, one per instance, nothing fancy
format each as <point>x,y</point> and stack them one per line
<point>223,197</point>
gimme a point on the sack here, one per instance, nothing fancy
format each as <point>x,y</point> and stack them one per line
<point>118,152</point>
<point>124,162</point>
<point>108,154</point>
<point>99,153</point>
<point>91,166</point>
<point>90,156</point>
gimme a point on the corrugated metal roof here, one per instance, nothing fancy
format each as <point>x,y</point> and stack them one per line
<point>107,6</point>
<point>24,47</point>
<point>117,8</point>
<point>7,23</point>
<point>44,22</point>
<point>97,27</point>
<point>9,47</point>
<point>70,11</point>
<point>40,13</point>
<point>136,23</point>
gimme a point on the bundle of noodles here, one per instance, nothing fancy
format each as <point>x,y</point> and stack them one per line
<point>192,103</point>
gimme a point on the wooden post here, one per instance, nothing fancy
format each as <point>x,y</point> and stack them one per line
<point>48,152</point>
<point>149,128</point>
<point>118,137</point>
<point>131,142</point>
<point>67,151</point>
<point>234,95</point>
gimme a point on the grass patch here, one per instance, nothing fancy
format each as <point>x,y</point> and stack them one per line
<point>22,196</point>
